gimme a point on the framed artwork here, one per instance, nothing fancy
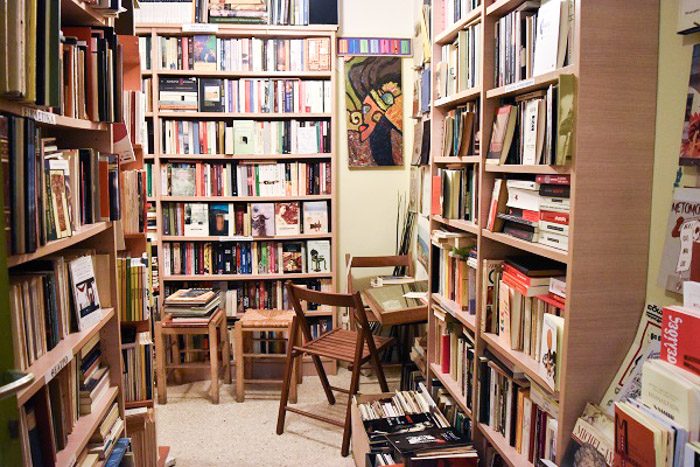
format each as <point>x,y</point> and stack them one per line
<point>374,107</point>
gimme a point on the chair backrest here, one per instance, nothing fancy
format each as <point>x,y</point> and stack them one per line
<point>352,302</point>
<point>356,262</point>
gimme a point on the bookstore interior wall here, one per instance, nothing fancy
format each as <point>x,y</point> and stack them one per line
<point>675,55</point>
<point>367,195</point>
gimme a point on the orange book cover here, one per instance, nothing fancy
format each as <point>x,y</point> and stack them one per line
<point>436,209</point>
<point>634,442</point>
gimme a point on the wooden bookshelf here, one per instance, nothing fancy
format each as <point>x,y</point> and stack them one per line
<point>611,176</point>
<point>452,387</point>
<point>159,159</point>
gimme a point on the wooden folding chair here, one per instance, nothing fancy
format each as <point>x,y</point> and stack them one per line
<point>355,347</point>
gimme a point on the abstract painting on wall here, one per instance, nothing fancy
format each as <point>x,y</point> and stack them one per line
<point>374,106</point>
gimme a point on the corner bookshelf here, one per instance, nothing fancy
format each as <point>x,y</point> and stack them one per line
<point>160,159</point>
<point>610,177</point>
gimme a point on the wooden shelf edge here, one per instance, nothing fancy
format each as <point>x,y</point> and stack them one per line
<point>449,34</point>
<point>138,404</point>
<point>243,74</point>
<point>458,160</point>
<point>452,387</point>
<point>508,452</point>
<point>183,238</point>
<point>43,117</point>
<point>244,157</point>
<point>47,365</point>
<point>244,29</point>
<point>534,248</point>
<point>85,427</point>
<point>86,232</point>
<point>241,115</point>
<point>459,224</point>
<point>241,199</point>
<point>469,321</point>
<point>529,84</point>
<point>458,98</point>
<point>245,277</point>
<point>529,169</point>
<point>519,359</point>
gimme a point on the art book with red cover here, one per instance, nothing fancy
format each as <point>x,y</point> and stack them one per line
<point>634,442</point>
<point>680,345</point>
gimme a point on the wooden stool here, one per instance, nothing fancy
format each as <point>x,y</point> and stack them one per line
<point>262,321</point>
<point>215,328</point>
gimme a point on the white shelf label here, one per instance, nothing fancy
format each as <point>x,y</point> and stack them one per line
<point>199,27</point>
<point>39,115</point>
<point>60,364</point>
<point>520,84</point>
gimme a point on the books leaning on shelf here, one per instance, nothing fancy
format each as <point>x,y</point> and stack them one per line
<point>137,353</point>
<point>517,409</point>
<point>246,137</point>
<point>93,375</point>
<point>211,53</point>
<point>461,135</point>
<point>52,191</point>
<point>455,10</point>
<point>460,65</point>
<point>455,265</point>
<point>192,303</point>
<point>104,439</point>
<point>132,276</point>
<point>133,201</point>
<point>246,179</point>
<point>456,351</point>
<point>535,211</point>
<point>458,193</point>
<point>250,220</point>
<point>251,95</point>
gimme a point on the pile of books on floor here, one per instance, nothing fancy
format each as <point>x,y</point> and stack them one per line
<point>409,427</point>
<point>192,304</point>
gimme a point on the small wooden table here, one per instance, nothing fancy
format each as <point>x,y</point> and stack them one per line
<point>389,305</point>
<point>215,328</point>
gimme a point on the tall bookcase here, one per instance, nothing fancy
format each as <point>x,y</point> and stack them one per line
<point>101,237</point>
<point>159,159</point>
<point>614,65</point>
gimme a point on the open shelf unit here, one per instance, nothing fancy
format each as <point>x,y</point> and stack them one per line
<point>159,159</point>
<point>611,176</point>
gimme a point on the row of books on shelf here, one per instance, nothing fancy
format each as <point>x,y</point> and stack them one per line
<point>132,277</point>
<point>51,192</point>
<point>211,53</point>
<point>246,179</point>
<point>455,353</point>
<point>133,201</point>
<point>135,104</point>
<point>245,137</point>
<point>536,210</point>
<point>455,10</point>
<point>454,268</point>
<point>518,409</point>
<point>249,220</point>
<point>250,95</point>
<point>455,193</point>
<point>272,342</point>
<point>137,355</point>
<point>51,299</point>
<point>531,130</point>
<point>535,38</point>
<point>459,68</point>
<point>190,258</point>
<point>279,12</point>
<point>461,131</point>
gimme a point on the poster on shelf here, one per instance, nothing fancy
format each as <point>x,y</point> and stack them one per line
<point>374,111</point>
<point>690,139</point>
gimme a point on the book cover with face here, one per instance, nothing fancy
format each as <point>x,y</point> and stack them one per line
<point>287,219</point>
<point>262,219</point>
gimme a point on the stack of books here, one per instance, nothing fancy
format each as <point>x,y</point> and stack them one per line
<point>192,303</point>
<point>237,12</point>
<point>104,439</point>
<point>93,375</point>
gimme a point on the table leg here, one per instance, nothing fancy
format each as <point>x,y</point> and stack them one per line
<point>239,363</point>
<point>214,362</point>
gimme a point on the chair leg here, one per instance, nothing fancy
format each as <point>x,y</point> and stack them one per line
<point>288,374</point>
<point>214,363</point>
<point>177,358</point>
<point>240,363</point>
<point>354,383</point>
<point>161,370</point>
<point>377,364</point>
<point>225,352</point>
<point>296,368</point>
<point>324,379</point>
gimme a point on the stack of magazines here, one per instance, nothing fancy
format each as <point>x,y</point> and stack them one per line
<point>192,303</point>
<point>238,11</point>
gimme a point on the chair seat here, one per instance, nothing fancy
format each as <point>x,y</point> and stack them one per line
<point>339,344</point>
<point>254,318</point>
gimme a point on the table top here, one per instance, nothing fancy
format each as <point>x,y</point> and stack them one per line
<point>389,304</point>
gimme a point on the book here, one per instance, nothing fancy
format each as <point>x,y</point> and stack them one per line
<point>638,438</point>
<point>315,216</point>
<point>592,438</point>
<point>292,257</point>
<point>211,95</point>
<point>678,345</point>
<point>196,219</point>
<point>219,220</point>
<point>550,350</point>
<point>85,292</point>
<point>501,134</point>
<point>551,16</point>
<point>287,218</point>
<point>263,219</point>
<point>204,53</point>
<point>178,93</point>
<point>318,256</point>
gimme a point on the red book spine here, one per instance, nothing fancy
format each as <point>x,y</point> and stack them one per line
<point>679,343</point>
<point>513,283</point>
<point>555,217</point>
<point>517,275</point>
<point>436,209</point>
<point>445,353</point>
<point>552,300</point>
<point>553,179</point>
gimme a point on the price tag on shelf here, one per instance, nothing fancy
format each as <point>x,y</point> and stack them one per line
<point>199,27</point>
<point>520,84</point>
<point>39,115</point>
<point>58,366</point>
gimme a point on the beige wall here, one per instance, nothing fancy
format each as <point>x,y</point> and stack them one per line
<point>675,52</point>
<point>368,198</point>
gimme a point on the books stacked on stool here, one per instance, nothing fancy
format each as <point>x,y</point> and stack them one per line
<point>192,305</point>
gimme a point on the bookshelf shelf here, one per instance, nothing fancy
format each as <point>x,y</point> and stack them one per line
<point>469,321</point>
<point>244,277</point>
<point>529,169</point>
<point>242,199</point>
<point>85,232</point>
<point>458,98</point>
<point>42,117</point>
<point>450,34</point>
<point>508,452</point>
<point>452,387</point>
<point>75,12</point>
<point>243,30</point>
<point>138,404</point>
<point>501,7</point>
<point>239,115</point>
<point>457,160</point>
<point>244,157</point>
<point>530,84</point>
<point>535,248</point>
<point>85,427</point>
<point>60,355</point>
<point>184,238</point>
<point>246,74</point>
<point>459,224</point>
<point>522,361</point>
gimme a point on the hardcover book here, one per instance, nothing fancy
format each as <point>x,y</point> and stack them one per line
<point>204,53</point>
<point>196,220</point>
<point>680,345</point>
<point>315,217</point>
<point>262,219</point>
<point>318,255</point>
<point>85,295</point>
<point>550,349</point>
<point>502,134</point>
<point>211,95</point>
<point>183,181</point>
<point>219,220</point>
<point>292,257</point>
<point>287,221</point>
